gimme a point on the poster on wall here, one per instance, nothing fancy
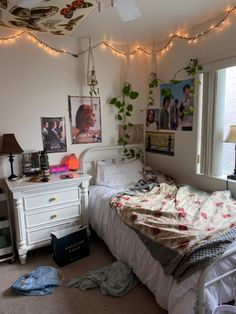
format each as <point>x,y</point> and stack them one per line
<point>177,106</point>
<point>85,119</point>
<point>152,120</point>
<point>160,142</point>
<point>135,134</point>
<point>53,134</point>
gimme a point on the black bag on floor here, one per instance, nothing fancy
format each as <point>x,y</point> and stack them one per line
<point>69,245</point>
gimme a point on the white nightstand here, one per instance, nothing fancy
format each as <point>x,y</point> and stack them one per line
<point>42,207</point>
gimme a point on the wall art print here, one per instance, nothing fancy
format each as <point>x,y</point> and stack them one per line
<point>135,133</point>
<point>85,119</point>
<point>160,142</point>
<point>53,134</point>
<point>152,120</point>
<point>177,106</point>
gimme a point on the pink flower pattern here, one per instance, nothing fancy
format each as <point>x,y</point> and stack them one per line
<point>177,225</point>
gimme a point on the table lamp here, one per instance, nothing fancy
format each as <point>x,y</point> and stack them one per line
<point>10,147</point>
<point>231,138</point>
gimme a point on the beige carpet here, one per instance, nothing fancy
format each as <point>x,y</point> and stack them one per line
<point>72,300</point>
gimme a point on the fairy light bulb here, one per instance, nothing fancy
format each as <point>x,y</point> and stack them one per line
<point>218,26</point>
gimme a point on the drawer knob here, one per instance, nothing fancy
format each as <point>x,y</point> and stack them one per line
<point>54,216</point>
<point>52,199</point>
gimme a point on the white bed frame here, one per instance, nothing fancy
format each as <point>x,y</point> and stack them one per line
<point>88,161</point>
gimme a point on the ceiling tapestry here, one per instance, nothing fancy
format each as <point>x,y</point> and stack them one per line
<point>50,16</point>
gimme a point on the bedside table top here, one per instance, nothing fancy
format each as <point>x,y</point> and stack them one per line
<point>54,179</point>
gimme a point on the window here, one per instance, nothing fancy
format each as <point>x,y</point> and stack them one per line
<point>229,119</point>
<point>217,113</point>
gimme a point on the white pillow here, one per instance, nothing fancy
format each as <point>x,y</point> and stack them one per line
<point>119,175</point>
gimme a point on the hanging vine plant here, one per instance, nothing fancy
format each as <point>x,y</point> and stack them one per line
<point>91,75</point>
<point>153,82</point>
<point>93,83</point>
<point>192,69</point>
<point>124,111</point>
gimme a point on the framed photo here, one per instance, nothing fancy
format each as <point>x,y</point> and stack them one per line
<point>152,122</point>
<point>85,119</point>
<point>177,106</point>
<point>135,134</point>
<point>53,134</point>
<point>160,142</point>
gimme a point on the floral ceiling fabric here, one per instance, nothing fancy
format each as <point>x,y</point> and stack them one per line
<point>56,17</point>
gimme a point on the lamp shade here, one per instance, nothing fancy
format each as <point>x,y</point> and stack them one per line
<point>231,137</point>
<point>10,145</point>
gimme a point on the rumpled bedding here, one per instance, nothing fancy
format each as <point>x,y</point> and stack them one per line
<point>185,229</point>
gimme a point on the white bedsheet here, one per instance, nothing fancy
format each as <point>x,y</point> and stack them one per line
<point>125,244</point>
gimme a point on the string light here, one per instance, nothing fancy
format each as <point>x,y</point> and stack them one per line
<point>166,47</point>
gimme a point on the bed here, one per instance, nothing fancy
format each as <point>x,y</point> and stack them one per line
<point>200,292</point>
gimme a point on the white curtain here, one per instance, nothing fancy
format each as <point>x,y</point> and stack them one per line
<point>206,122</point>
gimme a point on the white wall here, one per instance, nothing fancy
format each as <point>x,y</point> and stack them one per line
<point>35,84</point>
<point>219,44</point>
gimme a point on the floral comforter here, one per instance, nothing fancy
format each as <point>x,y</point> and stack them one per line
<point>185,229</point>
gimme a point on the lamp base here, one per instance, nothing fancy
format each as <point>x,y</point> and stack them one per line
<point>12,177</point>
<point>231,177</point>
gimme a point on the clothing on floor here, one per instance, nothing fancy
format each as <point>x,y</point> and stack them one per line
<point>115,279</point>
<point>42,280</point>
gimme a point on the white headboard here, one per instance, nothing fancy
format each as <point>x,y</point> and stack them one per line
<point>90,156</point>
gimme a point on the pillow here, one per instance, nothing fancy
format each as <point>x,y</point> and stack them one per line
<point>120,174</point>
<point>101,163</point>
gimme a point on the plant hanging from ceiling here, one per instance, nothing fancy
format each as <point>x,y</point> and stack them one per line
<point>153,82</point>
<point>125,109</point>
<point>92,81</point>
<point>192,69</point>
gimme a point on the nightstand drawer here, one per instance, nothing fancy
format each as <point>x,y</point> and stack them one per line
<point>42,235</point>
<point>50,199</point>
<point>46,217</point>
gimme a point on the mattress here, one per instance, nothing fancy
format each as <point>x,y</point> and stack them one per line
<point>125,244</point>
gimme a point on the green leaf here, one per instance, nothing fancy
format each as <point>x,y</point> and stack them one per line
<point>94,82</point>
<point>125,127</point>
<point>128,114</point>
<point>120,118</point>
<point>121,110</point>
<point>166,92</point>
<point>113,101</point>
<point>126,89</point>
<point>120,141</point>
<point>118,104</point>
<point>133,95</point>
<point>126,135</point>
<point>130,125</point>
<point>130,107</point>
<point>197,82</point>
<point>200,67</point>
